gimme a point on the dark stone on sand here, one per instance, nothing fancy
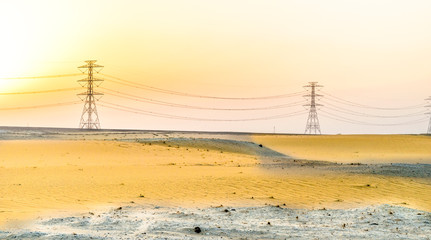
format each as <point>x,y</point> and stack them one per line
<point>374,224</point>
<point>198,230</point>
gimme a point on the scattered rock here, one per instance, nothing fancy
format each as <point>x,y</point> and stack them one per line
<point>198,230</point>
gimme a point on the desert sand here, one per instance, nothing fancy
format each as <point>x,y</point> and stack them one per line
<point>50,178</point>
<point>352,148</point>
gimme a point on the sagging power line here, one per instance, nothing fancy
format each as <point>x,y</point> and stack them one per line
<point>336,117</point>
<point>360,114</point>
<point>170,104</point>
<point>166,91</point>
<point>350,103</point>
<point>41,106</point>
<point>41,91</point>
<point>47,76</point>
<point>170,116</point>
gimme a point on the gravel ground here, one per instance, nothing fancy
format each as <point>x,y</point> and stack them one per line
<point>269,222</point>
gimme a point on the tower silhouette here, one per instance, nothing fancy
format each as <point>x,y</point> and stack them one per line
<point>313,126</point>
<point>89,117</point>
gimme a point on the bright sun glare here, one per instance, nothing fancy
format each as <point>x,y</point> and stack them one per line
<point>17,48</point>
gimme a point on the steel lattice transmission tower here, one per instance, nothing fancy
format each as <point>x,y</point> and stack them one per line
<point>89,117</point>
<point>313,126</point>
<point>429,108</point>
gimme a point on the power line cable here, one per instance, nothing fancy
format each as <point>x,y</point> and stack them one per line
<point>163,103</point>
<point>40,106</point>
<point>144,112</point>
<point>48,76</point>
<point>350,112</point>
<point>161,90</point>
<point>350,103</point>
<point>41,91</point>
<point>344,119</point>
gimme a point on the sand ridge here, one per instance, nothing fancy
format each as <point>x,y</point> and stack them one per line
<point>352,148</point>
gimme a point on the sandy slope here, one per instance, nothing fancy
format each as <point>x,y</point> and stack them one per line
<point>47,177</point>
<point>352,148</point>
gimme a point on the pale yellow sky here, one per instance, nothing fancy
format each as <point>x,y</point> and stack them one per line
<point>371,52</point>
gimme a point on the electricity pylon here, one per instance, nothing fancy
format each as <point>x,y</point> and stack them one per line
<point>429,108</point>
<point>313,126</point>
<point>89,117</point>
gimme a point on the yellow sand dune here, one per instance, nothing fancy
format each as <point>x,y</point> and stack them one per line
<point>352,148</point>
<point>38,177</point>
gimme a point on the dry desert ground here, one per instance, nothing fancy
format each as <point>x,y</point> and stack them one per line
<point>113,184</point>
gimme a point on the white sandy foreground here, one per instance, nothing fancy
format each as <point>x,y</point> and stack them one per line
<point>268,222</point>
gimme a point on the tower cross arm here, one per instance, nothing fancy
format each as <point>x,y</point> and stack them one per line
<point>94,80</point>
<point>91,66</point>
<point>310,95</point>
<point>311,85</point>
<point>86,93</point>
<point>316,104</point>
